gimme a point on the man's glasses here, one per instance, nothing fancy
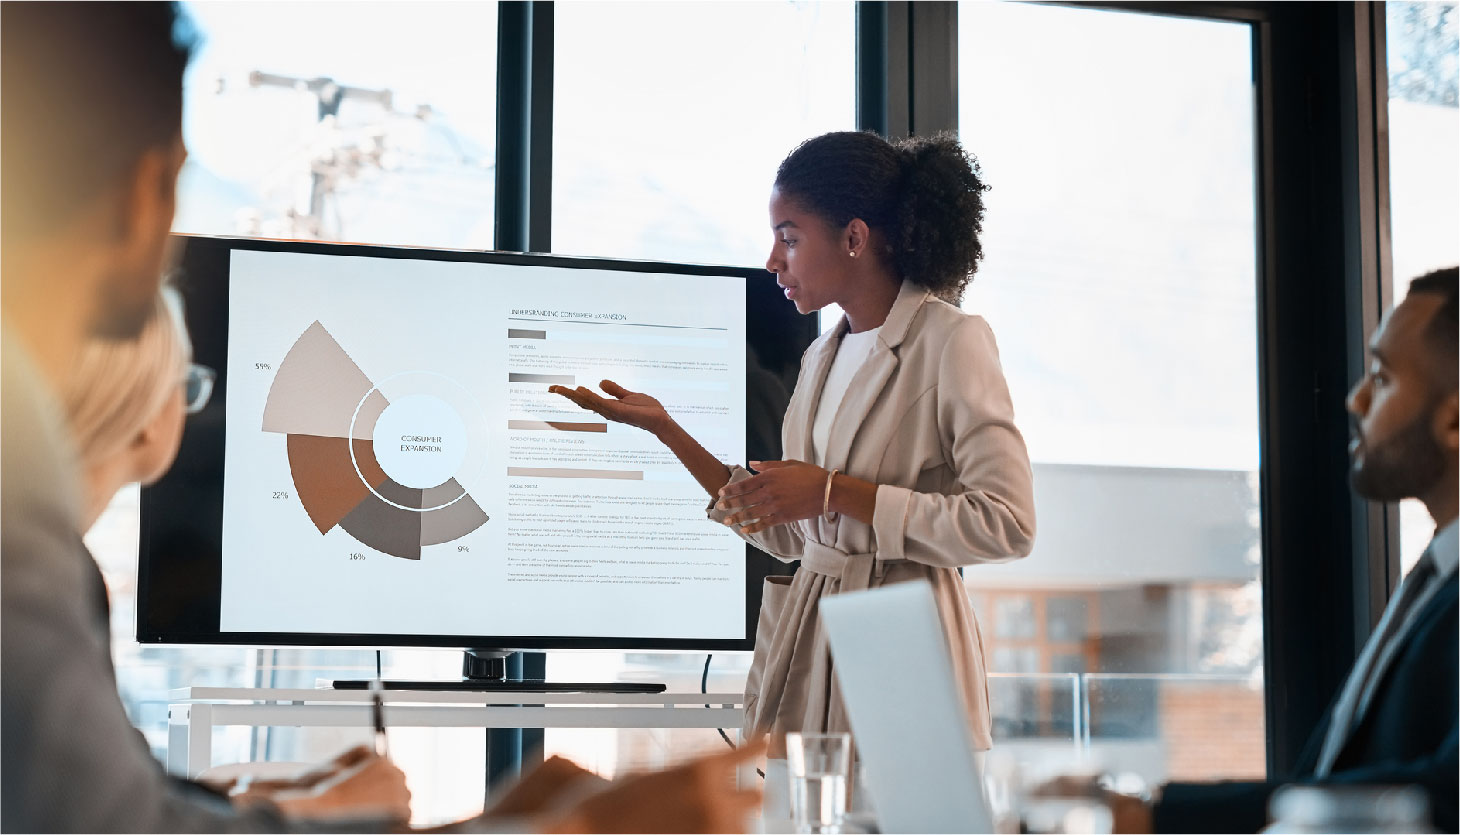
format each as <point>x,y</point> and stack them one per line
<point>198,386</point>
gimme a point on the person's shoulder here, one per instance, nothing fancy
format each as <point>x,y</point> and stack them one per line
<point>39,463</point>
<point>949,327</point>
<point>41,550</point>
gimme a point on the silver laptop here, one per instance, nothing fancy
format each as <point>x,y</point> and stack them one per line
<point>908,721</point>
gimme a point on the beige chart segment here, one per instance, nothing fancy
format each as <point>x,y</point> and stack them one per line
<point>327,408</point>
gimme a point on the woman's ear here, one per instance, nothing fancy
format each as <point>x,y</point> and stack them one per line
<point>152,450</point>
<point>856,236</point>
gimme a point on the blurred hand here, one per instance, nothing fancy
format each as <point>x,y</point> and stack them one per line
<point>780,492</point>
<point>622,405</point>
<point>542,787</point>
<point>246,789</point>
<point>360,784</point>
<point>698,796</point>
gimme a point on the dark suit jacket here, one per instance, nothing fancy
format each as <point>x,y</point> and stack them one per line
<point>1408,735</point>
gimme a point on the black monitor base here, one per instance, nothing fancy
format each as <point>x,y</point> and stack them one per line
<point>485,670</point>
<point>511,686</point>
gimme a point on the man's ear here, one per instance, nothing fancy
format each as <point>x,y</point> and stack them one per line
<point>1447,424</point>
<point>148,198</point>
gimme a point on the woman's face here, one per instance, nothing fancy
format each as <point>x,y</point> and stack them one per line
<point>808,258</point>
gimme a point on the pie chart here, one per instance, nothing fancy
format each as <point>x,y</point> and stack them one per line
<point>379,461</point>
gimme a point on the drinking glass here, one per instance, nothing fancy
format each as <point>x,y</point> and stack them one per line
<point>818,765</point>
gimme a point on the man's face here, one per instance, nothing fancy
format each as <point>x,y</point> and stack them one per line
<point>1398,450</point>
<point>129,289</point>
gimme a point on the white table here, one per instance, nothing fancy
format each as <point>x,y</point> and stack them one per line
<point>193,712</point>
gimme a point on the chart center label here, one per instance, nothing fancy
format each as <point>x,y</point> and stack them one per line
<point>420,441</point>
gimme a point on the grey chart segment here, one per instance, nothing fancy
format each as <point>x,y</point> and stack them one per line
<point>386,528</point>
<point>451,522</point>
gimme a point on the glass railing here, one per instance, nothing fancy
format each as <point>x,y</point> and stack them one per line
<point>1161,727</point>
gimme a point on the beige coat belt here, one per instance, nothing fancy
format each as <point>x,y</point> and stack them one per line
<point>856,571</point>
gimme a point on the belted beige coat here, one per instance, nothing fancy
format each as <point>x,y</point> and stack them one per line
<point>928,418</point>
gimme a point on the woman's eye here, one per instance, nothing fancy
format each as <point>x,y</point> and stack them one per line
<point>788,242</point>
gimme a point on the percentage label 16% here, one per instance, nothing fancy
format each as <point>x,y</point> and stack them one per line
<point>357,556</point>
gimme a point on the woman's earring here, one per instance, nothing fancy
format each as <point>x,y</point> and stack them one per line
<point>853,253</point>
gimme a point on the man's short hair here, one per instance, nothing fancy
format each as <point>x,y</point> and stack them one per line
<point>85,90</point>
<point>1442,335</point>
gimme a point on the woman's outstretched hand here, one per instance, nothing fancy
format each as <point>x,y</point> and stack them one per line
<point>780,492</point>
<point>621,406</point>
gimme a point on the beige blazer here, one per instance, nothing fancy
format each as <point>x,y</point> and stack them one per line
<point>928,418</point>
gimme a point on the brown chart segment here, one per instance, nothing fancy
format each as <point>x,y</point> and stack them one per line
<point>325,478</point>
<point>312,402</point>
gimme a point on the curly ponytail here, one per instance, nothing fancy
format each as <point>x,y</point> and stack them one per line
<point>925,194</point>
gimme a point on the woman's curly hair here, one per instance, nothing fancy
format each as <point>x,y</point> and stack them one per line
<point>925,194</point>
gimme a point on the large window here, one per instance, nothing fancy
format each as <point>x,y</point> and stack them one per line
<point>1424,167</point>
<point>1120,280</point>
<point>367,122</point>
<point>666,136</point>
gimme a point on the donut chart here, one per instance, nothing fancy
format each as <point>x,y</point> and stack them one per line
<point>382,469</point>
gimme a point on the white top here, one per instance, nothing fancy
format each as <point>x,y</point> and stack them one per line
<point>853,351</point>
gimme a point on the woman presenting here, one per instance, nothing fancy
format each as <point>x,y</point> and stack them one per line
<point>903,461</point>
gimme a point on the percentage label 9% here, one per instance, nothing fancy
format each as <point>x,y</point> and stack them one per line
<point>462,549</point>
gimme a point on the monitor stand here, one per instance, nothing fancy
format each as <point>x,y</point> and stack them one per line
<point>486,670</point>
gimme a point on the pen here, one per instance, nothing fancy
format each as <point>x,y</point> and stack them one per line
<point>377,716</point>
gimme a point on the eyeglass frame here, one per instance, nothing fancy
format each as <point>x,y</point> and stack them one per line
<point>197,385</point>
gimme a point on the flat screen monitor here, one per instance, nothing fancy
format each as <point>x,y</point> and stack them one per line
<point>382,464</point>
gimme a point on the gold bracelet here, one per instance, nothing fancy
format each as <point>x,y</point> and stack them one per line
<point>826,497</point>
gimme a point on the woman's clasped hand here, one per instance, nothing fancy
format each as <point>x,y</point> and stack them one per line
<point>780,492</point>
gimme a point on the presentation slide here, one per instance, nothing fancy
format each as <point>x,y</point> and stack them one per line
<point>395,464</point>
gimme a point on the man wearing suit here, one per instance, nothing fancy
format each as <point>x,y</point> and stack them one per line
<point>1394,720</point>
